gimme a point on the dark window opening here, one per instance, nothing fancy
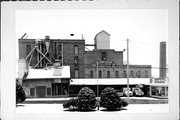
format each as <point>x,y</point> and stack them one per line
<point>76,61</point>
<point>91,74</point>
<point>108,74</point>
<point>104,57</point>
<point>117,74</point>
<point>100,74</point>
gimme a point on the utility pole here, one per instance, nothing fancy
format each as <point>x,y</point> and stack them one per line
<point>128,69</point>
<point>97,85</point>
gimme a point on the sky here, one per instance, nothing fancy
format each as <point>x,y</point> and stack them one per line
<point>145,28</point>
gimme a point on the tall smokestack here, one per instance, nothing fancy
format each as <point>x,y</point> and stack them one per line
<point>162,62</point>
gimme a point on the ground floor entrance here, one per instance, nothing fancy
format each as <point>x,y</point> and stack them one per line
<point>40,91</point>
<point>60,89</point>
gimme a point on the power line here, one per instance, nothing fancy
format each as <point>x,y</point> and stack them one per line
<point>142,51</point>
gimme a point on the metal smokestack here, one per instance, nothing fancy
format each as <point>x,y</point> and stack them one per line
<point>162,61</point>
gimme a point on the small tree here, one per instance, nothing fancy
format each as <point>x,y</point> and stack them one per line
<point>110,100</point>
<point>86,99</point>
<point>20,94</point>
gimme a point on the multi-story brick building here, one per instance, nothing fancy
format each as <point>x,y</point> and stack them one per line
<point>68,51</point>
<point>83,64</point>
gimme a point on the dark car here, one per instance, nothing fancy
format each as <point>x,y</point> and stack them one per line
<point>120,94</point>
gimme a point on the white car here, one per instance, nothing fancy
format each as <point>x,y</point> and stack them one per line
<point>126,93</point>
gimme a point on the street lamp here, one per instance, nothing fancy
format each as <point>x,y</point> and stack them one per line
<point>97,84</point>
<point>127,70</point>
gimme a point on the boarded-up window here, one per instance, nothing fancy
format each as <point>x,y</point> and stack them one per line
<point>48,91</point>
<point>32,92</point>
<point>76,73</point>
<point>76,49</point>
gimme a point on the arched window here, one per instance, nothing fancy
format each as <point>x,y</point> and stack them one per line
<point>124,74</point>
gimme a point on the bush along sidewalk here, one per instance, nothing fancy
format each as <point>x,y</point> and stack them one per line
<point>20,94</point>
<point>85,101</point>
<point>110,100</point>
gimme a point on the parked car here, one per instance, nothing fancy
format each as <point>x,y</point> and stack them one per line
<point>125,92</point>
<point>138,92</point>
<point>120,94</point>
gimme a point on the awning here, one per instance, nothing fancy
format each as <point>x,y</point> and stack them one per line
<point>158,84</point>
<point>49,73</point>
<point>110,81</point>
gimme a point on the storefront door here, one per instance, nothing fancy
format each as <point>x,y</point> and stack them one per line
<point>40,91</point>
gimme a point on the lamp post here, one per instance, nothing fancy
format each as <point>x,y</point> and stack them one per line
<point>127,70</point>
<point>97,84</point>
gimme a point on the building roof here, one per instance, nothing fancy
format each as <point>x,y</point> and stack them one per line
<point>110,81</point>
<point>49,73</point>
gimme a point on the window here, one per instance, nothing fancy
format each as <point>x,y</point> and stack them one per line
<point>108,74</point>
<point>76,61</point>
<point>91,74</point>
<point>32,92</point>
<point>117,74</point>
<point>139,74</point>
<point>124,74</point>
<point>76,49</point>
<point>28,49</point>
<point>104,56</point>
<point>60,49</point>
<point>146,74</point>
<point>132,74</point>
<point>48,91</point>
<point>76,73</point>
<point>100,74</point>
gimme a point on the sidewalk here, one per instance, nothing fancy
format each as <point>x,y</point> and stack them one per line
<point>133,100</point>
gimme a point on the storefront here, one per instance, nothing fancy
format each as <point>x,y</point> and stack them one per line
<point>42,83</point>
<point>159,90</point>
<point>101,83</point>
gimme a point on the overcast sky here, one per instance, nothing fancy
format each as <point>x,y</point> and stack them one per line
<point>145,28</point>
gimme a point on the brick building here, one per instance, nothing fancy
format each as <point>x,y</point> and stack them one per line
<point>71,51</point>
<point>82,64</point>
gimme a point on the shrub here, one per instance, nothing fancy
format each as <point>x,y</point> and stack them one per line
<point>86,99</point>
<point>20,94</point>
<point>71,104</point>
<point>123,103</point>
<point>110,100</point>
